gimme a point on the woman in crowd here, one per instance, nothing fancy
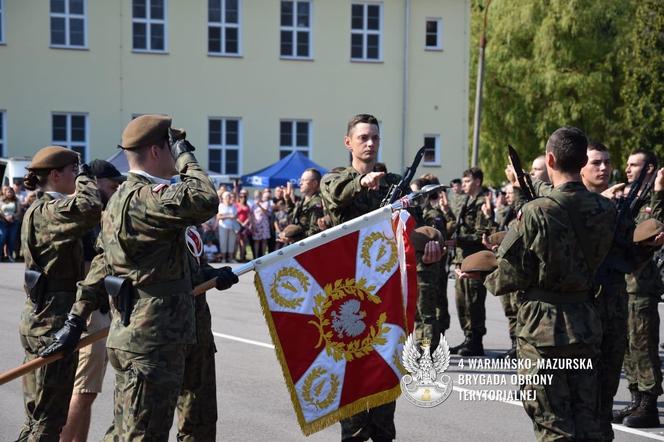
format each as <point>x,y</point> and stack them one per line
<point>261,219</point>
<point>226,216</point>
<point>280,222</point>
<point>10,213</point>
<point>244,218</point>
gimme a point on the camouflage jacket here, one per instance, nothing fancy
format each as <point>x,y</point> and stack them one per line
<point>203,318</point>
<point>306,213</point>
<point>142,239</point>
<point>51,239</point>
<point>346,199</point>
<point>473,224</point>
<point>547,250</point>
<point>434,217</point>
<point>646,280</point>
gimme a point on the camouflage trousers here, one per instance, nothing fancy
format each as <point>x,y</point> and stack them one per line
<point>426,322</point>
<point>642,363</point>
<point>612,309</point>
<point>509,303</point>
<point>46,393</point>
<point>375,423</point>
<point>197,403</point>
<point>566,408</point>
<point>470,299</point>
<point>146,392</point>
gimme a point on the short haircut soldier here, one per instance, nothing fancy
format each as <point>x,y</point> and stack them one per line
<point>569,146</point>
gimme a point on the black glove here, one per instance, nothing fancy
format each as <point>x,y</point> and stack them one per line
<point>67,337</point>
<point>178,143</point>
<point>225,276</point>
<point>84,169</point>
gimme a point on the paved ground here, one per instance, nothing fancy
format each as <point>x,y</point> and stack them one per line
<point>254,402</point>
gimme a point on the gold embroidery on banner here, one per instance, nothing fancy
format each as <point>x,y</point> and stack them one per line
<point>355,348</point>
<point>281,280</point>
<point>386,246</point>
<point>315,374</point>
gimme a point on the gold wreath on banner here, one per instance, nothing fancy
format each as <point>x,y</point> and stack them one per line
<point>386,246</point>
<point>284,280</point>
<point>308,386</point>
<point>356,348</point>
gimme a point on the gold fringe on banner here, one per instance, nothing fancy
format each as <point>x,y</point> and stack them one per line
<point>345,411</point>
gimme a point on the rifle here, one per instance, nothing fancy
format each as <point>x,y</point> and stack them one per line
<point>641,197</point>
<point>524,180</point>
<point>399,190</point>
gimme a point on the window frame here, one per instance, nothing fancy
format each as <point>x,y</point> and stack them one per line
<point>439,34</point>
<point>68,143</point>
<point>2,22</point>
<point>223,147</point>
<point>365,31</point>
<point>436,162</point>
<point>294,147</point>
<point>295,29</point>
<point>222,25</point>
<point>148,21</point>
<point>3,132</point>
<point>67,16</point>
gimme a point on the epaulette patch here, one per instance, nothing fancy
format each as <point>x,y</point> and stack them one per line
<point>519,215</point>
<point>159,187</point>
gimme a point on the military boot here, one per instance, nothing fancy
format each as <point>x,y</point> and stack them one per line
<point>473,348</point>
<point>646,415</point>
<point>454,350</point>
<point>619,415</point>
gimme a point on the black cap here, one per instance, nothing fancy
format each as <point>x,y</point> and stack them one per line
<point>104,169</point>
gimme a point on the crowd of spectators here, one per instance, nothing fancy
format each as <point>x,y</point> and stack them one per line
<point>14,200</point>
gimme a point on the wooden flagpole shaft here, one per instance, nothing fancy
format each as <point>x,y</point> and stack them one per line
<point>19,371</point>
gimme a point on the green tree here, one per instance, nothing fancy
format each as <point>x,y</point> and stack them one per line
<point>548,63</point>
<point>642,59</point>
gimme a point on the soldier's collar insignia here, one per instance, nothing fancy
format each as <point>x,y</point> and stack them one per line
<point>159,187</point>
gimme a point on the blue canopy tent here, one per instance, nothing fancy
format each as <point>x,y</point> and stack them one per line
<point>287,169</point>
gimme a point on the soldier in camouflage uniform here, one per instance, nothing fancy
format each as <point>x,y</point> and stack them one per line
<point>309,209</point>
<point>551,256</point>
<point>143,243</point>
<point>197,403</point>
<point>642,363</point>
<point>347,194</point>
<point>50,236</point>
<point>474,221</point>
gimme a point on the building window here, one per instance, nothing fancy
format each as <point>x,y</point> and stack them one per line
<point>366,28</point>
<point>71,131</point>
<point>68,23</point>
<point>224,145</point>
<point>294,135</point>
<point>224,27</point>
<point>149,25</point>
<point>296,29</point>
<point>432,151</point>
<point>2,134</point>
<point>2,21</point>
<point>433,38</point>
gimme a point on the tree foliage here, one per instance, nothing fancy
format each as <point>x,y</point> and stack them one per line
<point>550,63</point>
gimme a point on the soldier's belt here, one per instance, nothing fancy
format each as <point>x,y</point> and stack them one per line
<point>162,289</point>
<point>556,297</point>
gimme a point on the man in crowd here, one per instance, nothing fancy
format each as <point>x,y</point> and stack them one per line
<point>309,209</point>
<point>538,169</point>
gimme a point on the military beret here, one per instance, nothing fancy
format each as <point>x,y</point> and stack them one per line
<point>496,238</point>
<point>53,157</point>
<point>422,235</point>
<point>145,131</point>
<point>647,229</point>
<point>294,232</point>
<point>484,261</point>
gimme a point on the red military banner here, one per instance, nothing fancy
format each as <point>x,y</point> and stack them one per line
<point>339,306</point>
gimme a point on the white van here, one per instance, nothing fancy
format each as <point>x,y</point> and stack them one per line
<point>13,169</point>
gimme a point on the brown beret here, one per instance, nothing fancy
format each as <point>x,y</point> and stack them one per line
<point>145,131</point>
<point>647,229</point>
<point>497,238</point>
<point>484,261</point>
<point>422,235</point>
<point>53,157</point>
<point>294,232</point>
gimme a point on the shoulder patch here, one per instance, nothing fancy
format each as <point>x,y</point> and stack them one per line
<point>159,187</point>
<point>519,215</point>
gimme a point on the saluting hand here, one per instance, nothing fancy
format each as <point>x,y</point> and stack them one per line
<point>659,180</point>
<point>486,207</point>
<point>511,176</point>
<point>442,201</point>
<point>614,191</point>
<point>432,252</point>
<point>372,180</point>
